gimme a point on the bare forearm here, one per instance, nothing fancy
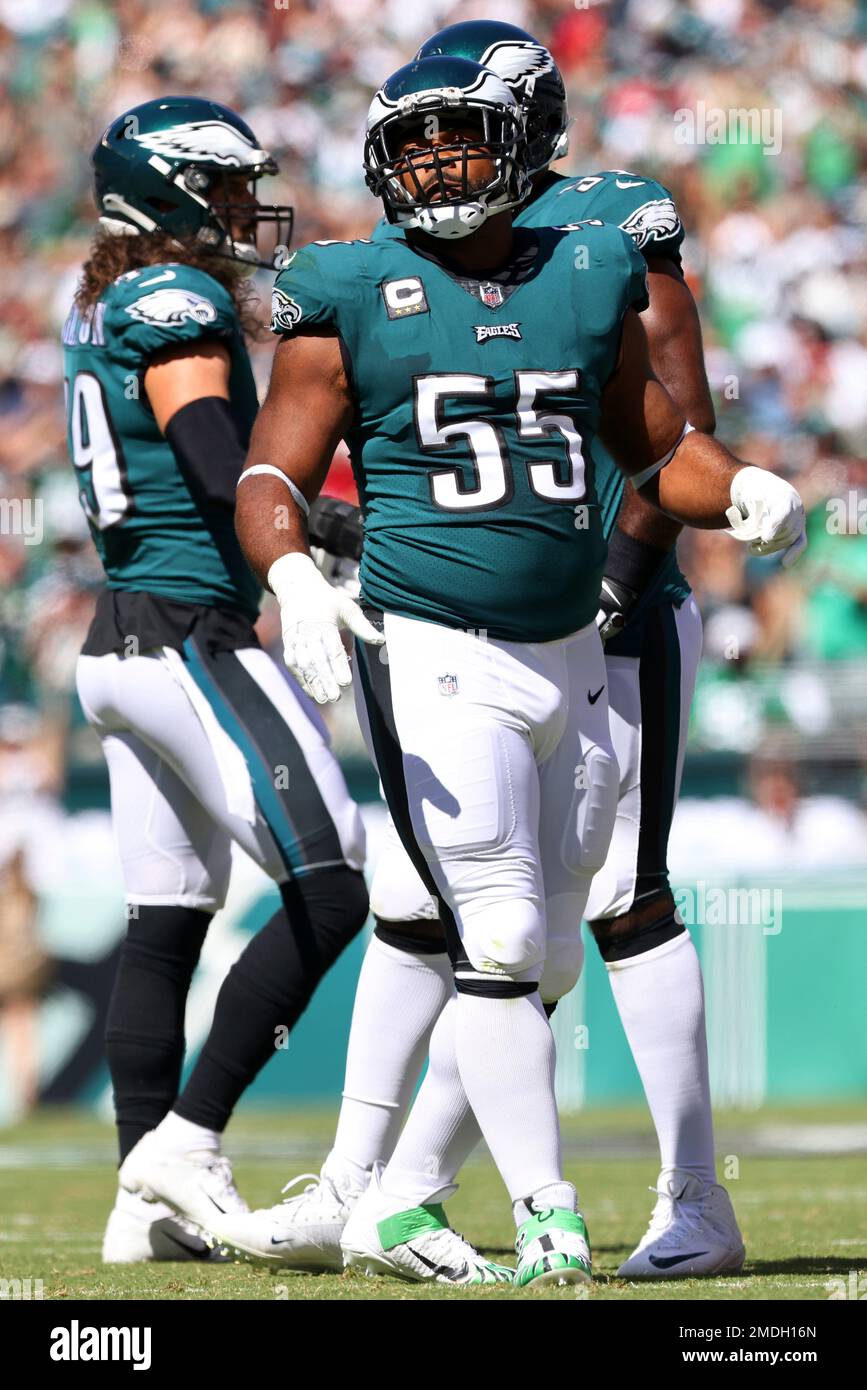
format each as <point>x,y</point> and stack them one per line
<point>306,412</point>
<point>643,521</point>
<point>674,343</point>
<point>269,523</point>
<point>695,486</point>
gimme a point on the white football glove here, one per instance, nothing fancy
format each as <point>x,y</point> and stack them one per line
<point>767,514</point>
<point>312,614</point>
<point>339,570</point>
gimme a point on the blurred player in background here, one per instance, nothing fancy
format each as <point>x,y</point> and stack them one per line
<point>484,789</point>
<point>205,739</point>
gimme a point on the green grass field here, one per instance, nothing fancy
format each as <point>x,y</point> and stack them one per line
<point>802,1213</point>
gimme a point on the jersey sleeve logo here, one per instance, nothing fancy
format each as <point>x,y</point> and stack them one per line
<point>172,307</point>
<point>286,313</point>
<point>657,220</point>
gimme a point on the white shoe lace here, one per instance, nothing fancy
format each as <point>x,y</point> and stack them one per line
<point>319,1193</point>
<point>671,1210</point>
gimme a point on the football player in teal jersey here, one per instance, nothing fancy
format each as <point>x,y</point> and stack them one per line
<point>653,636</point>
<point>206,739</point>
<point>469,365</point>
<point>652,631</point>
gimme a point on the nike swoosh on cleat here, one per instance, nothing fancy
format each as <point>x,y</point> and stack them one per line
<point>594,698</point>
<point>440,1269</point>
<point>192,1247</point>
<point>669,1261</point>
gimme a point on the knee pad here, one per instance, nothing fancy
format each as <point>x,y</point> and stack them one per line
<point>563,965</point>
<point>596,808</point>
<point>564,955</point>
<point>505,940</point>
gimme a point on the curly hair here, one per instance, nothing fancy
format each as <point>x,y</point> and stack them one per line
<point>111,256</point>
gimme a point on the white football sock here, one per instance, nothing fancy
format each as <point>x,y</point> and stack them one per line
<point>504,1055</point>
<point>176,1135</point>
<point>441,1131</point>
<point>660,999</point>
<point>399,998</point>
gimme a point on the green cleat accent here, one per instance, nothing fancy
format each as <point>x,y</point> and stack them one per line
<point>553,1248</point>
<point>407,1225</point>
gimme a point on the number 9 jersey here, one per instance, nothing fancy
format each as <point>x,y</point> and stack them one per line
<point>153,535</point>
<point>476,402</point>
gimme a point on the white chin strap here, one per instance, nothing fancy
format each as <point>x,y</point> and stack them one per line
<point>459,220</point>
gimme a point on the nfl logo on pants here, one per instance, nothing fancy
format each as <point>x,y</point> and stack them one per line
<point>448,685</point>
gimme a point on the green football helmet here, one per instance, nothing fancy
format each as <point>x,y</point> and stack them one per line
<point>526,67</point>
<point>399,153</point>
<point>165,166</point>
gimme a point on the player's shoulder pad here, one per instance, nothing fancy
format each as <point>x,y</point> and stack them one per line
<point>605,247</point>
<point>316,283</point>
<point>385,231</point>
<point>158,305</point>
<point>642,206</point>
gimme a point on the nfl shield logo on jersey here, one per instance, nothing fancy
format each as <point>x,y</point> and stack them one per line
<point>491,295</point>
<point>448,685</point>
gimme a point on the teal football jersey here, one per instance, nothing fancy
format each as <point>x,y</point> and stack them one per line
<point>476,406</point>
<point>646,211</point>
<point>151,534</point>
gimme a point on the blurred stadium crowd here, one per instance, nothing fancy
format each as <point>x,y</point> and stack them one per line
<point>776,256</point>
<point>775,253</point>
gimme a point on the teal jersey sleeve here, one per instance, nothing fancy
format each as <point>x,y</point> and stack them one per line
<point>163,305</point>
<point>385,231</point>
<point>318,285</point>
<point>636,277</point>
<point>641,207</point>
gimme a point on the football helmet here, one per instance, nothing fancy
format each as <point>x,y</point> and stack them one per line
<point>526,67</point>
<point>416,102</point>
<point>165,166</point>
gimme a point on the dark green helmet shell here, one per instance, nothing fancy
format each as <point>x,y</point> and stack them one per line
<point>445,91</point>
<point>526,66</point>
<point>162,166</point>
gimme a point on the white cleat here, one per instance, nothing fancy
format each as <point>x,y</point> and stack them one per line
<point>139,1231</point>
<point>693,1231</point>
<point>302,1232</point>
<point>198,1185</point>
<point>384,1236</point>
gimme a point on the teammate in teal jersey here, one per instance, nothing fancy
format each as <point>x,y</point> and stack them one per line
<point>196,721</point>
<point>652,631</point>
<point>464,409</point>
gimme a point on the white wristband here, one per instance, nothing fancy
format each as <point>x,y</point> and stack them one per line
<point>278,473</point>
<point>639,479</point>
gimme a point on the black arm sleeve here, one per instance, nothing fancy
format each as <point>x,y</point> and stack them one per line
<point>206,442</point>
<point>337,527</point>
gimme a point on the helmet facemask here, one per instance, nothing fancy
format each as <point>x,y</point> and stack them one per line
<point>231,224</point>
<point>438,187</point>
